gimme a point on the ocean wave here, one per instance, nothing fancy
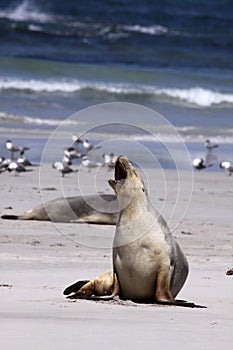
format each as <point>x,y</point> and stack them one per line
<point>70,86</point>
<point>151,30</point>
<point>30,12</point>
<point>34,85</point>
<point>20,119</point>
<point>194,95</point>
<point>99,29</point>
<point>198,96</point>
<point>25,11</point>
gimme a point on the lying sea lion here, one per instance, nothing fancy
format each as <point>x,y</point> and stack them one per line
<point>148,263</point>
<point>73,209</point>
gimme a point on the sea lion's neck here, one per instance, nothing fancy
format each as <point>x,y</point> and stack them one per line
<point>134,209</point>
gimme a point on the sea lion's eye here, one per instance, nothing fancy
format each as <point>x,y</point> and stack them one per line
<point>143,189</point>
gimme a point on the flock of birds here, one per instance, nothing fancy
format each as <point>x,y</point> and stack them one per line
<point>210,159</point>
<point>78,150</point>
<point>13,164</point>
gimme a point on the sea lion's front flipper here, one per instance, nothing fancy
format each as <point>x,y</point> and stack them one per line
<point>181,303</point>
<point>163,296</point>
<point>162,292</point>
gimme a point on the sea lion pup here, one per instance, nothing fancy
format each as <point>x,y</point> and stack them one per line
<point>148,264</point>
<point>73,209</point>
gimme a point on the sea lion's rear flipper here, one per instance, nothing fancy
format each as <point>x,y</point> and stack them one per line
<point>26,216</point>
<point>103,287</point>
<point>92,297</point>
<point>10,217</point>
<point>181,303</point>
<point>75,287</point>
<point>81,290</point>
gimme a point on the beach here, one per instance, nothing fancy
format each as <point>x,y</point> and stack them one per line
<point>40,259</point>
<point>150,80</point>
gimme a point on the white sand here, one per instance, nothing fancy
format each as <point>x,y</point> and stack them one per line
<point>39,259</point>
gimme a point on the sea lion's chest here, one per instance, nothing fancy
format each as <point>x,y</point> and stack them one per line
<point>140,251</point>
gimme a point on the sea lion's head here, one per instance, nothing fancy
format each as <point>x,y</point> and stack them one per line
<point>128,183</point>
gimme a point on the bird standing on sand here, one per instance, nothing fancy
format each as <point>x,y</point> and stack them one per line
<point>76,139</point>
<point>16,168</point>
<point>209,145</point>
<point>90,163</point>
<point>87,145</point>
<point>109,160</point>
<point>13,148</point>
<point>227,166</point>
<point>63,168</point>
<point>67,160</point>
<point>72,153</point>
<point>198,163</point>
<point>22,159</point>
<point>4,162</point>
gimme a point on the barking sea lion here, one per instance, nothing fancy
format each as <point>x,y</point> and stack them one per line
<point>148,263</point>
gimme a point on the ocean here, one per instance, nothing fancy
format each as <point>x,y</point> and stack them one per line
<point>59,58</point>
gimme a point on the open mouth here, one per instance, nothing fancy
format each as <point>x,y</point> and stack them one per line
<point>121,173</point>
<point>120,170</point>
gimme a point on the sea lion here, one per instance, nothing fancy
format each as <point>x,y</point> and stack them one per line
<point>148,263</point>
<point>72,209</point>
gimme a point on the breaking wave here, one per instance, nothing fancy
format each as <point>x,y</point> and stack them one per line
<point>198,96</point>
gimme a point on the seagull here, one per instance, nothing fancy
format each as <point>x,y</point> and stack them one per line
<point>109,160</point>
<point>209,145</point>
<point>63,168</point>
<point>13,148</point>
<point>66,160</point>
<point>227,166</point>
<point>72,153</point>
<point>198,163</point>
<point>17,168</point>
<point>76,139</point>
<point>87,145</point>
<point>90,163</point>
<point>4,162</point>
<point>22,160</point>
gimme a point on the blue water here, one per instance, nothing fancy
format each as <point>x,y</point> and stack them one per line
<point>58,57</point>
